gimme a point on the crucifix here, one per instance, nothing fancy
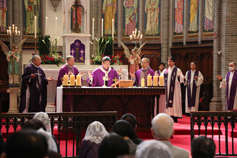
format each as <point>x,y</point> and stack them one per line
<point>82,56</point>
<point>105,78</point>
<point>115,80</point>
<point>77,4</point>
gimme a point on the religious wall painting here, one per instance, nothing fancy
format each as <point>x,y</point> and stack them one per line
<point>3,16</point>
<point>77,49</point>
<point>109,12</point>
<point>178,17</point>
<point>76,17</point>
<point>31,9</point>
<point>208,19</point>
<point>193,19</point>
<point>130,16</point>
<point>152,17</point>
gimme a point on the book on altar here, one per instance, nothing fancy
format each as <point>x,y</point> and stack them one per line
<point>123,83</point>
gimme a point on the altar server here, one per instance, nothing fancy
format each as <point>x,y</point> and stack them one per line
<point>193,81</point>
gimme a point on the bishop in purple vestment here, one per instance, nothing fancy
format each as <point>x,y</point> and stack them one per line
<point>34,87</point>
<point>103,75</point>
<point>68,69</point>
<point>143,72</point>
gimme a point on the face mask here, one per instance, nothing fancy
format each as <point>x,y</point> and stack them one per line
<point>231,68</point>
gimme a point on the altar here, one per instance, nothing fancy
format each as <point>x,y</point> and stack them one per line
<point>138,101</point>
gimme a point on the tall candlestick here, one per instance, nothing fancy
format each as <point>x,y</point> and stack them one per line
<point>149,80</point>
<point>113,29</point>
<point>161,81</point>
<point>93,27</point>
<point>56,25</point>
<point>35,26</point>
<point>46,22</point>
<point>102,27</point>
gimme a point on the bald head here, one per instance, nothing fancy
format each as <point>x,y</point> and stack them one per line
<point>162,126</point>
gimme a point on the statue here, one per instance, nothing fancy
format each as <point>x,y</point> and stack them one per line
<point>13,58</point>
<point>134,59</point>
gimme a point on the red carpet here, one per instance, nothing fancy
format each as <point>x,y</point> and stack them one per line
<point>181,137</point>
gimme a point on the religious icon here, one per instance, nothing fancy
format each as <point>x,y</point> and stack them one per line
<point>134,58</point>
<point>179,15</point>
<point>32,10</point>
<point>193,16</point>
<point>152,16</point>
<point>131,15</point>
<point>208,15</point>
<point>13,58</point>
<point>77,50</point>
<point>3,13</point>
<point>76,12</point>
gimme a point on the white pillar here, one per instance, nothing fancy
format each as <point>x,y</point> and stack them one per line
<point>13,91</point>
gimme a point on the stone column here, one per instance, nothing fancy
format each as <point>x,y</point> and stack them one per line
<point>171,24</point>
<point>165,32</point>
<point>13,91</point>
<point>185,22</point>
<point>120,21</point>
<point>200,30</point>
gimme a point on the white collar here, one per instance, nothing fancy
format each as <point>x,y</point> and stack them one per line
<point>35,65</point>
<point>171,68</point>
<point>106,72</point>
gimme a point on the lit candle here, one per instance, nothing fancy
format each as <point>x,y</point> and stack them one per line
<point>141,36</point>
<point>130,37</point>
<point>72,80</point>
<point>155,81</point>
<point>19,33</point>
<point>78,81</point>
<point>142,82</point>
<point>7,32</point>
<point>65,80</point>
<point>102,27</point>
<point>135,31</point>
<point>113,29</point>
<point>93,27</point>
<point>56,25</point>
<point>35,26</point>
<point>161,81</point>
<point>149,80</point>
<point>46,22</point>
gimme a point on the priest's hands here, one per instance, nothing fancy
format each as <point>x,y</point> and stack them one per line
<point>81,73</point>
<point>195,77</point>
<point>156,74</point>
<point>50,79</point>
<point>219,77</point>
<point>32,75</point>
<point>69,73</point>
<point>89,74</point>
<point>120,71</point>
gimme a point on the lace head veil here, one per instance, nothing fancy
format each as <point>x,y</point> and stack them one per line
<point>44,118</point>
<point>95,132</point>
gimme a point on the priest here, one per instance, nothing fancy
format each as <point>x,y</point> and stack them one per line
<point>230,83</point>
<point>161,68</point>
<point>143,72</point>
<point>104,75</point>
<point>34,87</point>
<point>173,77</point>
<point>68,69</point>
<point>193,81</point>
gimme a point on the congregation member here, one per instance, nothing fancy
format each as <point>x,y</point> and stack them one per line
<point>133,121</point>
<point>162,130</point>
<point>26,144</point>
<point>125,129</point>
<point>230,83</point>
<point>34,87</point>
<point>203,147</point>
<point>113,146</point>
<point>95,133</point>
<point>193,81</point>
<point>173,76</point>
<point>153,149</point>
<point>103,75</point>
<point>68,69</point>
<point>143,72</point>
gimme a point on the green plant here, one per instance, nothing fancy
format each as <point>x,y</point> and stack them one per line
<point>43,46</point>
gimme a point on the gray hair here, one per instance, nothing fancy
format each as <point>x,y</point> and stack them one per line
<point>68,57</point>
<point>34,57</point>
<point>233,63</point>
<point>162,125</point>
<point>146,59</point>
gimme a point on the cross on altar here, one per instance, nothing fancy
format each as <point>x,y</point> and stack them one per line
<point>72,51</point>
<point>105,78</point>
<point>115,80</point>
<point>82,57</point>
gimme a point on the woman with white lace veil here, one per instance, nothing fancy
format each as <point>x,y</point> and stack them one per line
<point>44,118</point>
<point>95,133</point>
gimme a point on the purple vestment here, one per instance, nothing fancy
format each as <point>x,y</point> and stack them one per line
<point>88,149</point>
<point>231,97</point>
<point>143,74</point>
<point>192,98</point>
<point>65,70</point>
<point>37,89</point>
<point>98,74</point>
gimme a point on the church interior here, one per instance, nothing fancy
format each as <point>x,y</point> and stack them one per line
<point>129,34</point>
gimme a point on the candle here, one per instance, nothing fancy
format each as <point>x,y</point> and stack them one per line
<point>141,36</point>
<point>93,27</point>
<point>65,80</point>
<point>19,33</point>
<point>72,80</point>
<point>35,26</point>
<point>130,37</point>
<point>161,81</point>
<point>78,81</point>
<point>138,35</point>
<point>149,80</point>
<point>113,29</point>
<point>155,81</point>
<point>142,82</point>
<point>46,21</point>
<point>56,25</point>
<point>102,27</point>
